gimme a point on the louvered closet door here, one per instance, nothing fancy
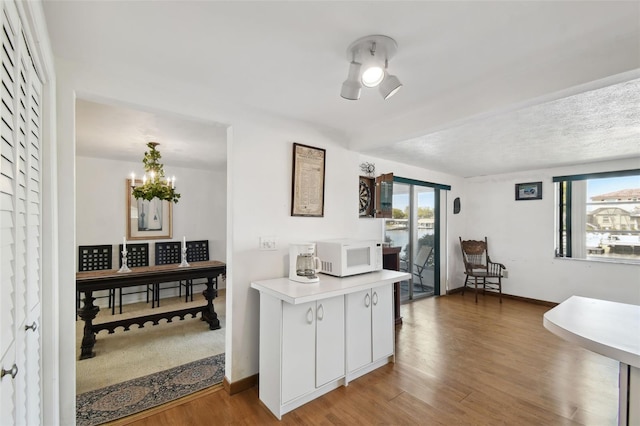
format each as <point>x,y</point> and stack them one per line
<point>20,224</point>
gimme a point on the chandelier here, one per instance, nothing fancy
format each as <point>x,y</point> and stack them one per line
<point>154,184</point>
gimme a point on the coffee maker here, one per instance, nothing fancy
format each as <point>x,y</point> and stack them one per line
<point>303,263</point>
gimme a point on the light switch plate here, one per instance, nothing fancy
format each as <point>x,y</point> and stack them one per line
<point>267,243</point>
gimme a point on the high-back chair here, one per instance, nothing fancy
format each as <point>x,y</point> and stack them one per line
<point>167,253</point>
<point>96,258</point>
<point>137,256</point>
<point>197,251</point>
<point>478,265</point>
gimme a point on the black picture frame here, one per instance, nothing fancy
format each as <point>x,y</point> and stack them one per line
<point>529,191</point>
<point>307,187</point>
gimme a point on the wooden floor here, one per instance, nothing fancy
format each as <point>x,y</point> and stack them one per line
<point>457,363</point>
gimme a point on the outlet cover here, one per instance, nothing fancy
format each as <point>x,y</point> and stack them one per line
<point>505,274</point>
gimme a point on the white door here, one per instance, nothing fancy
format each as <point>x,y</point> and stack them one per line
<point>382,321</point>
<point>20,224</point>
<point>298,350</point>
<point>329,340</point>
<point>358,329</point>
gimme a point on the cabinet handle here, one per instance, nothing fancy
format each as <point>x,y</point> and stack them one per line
<point>31,327</point>
<point>367,300</point>
<point>375,298</point>
<point>310,316</point>
<point>13,372</point>
<point>320,312</point>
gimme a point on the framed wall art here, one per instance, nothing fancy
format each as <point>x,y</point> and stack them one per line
<point>147,220</point>
<point>529,191</point>
<point>307,188</point>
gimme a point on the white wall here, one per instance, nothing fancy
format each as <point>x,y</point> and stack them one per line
<point>267,212</point>
<point>521,235</point>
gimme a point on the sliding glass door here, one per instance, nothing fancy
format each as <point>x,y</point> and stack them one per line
<point>413,228</point>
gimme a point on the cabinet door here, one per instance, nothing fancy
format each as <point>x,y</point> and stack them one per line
<point>384,195</point>
<point>358,317</point>
<point>329,340</point>
<point>382,321</point>
<point>32,371</point>
<point>20,219</point>
<point>8,387</point>
<point>298,350</point>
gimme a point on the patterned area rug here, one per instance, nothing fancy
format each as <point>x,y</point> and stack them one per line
<point>123,399</point>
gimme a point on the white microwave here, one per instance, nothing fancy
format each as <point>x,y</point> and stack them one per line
<point>345,257</point>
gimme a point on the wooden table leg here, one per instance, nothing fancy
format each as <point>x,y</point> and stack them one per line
<point>209,314</point>
<point>88,313</point>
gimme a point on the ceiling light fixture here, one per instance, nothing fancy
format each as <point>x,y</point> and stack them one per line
<point>154,184</point>
<point>369,58</point>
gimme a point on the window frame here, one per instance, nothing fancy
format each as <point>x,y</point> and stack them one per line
<point>564,209</point>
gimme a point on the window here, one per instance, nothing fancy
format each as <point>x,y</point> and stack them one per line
<point>598,216</point>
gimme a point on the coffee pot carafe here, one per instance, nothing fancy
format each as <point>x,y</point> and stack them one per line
<point>304,264</point>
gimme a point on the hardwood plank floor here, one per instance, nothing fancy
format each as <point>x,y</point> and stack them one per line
<point>457,363</point>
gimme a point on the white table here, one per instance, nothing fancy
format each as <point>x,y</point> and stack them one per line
<point>611,329</point>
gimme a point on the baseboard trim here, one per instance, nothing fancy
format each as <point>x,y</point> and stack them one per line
<point>240,385</point>
<point>510,296</point>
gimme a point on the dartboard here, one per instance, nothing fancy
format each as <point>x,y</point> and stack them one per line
<point>365,197</point>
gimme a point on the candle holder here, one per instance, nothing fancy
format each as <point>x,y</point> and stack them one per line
<point>184,263</point>
<point>124,267</point>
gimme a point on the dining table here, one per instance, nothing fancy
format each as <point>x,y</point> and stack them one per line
<point>88,282</point>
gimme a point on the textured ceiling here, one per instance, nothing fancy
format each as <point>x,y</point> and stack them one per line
<point>489,87</point>
<point>589,127</point>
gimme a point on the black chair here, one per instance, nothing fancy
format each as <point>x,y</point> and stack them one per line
<point>137,256</point>
<point>197,251</point>
<point>167,253</point>
<point>96,258</point>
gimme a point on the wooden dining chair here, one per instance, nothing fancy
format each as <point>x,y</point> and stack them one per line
<point>137,256</point>
<point>167,253</point>
<point>478,265</point>
<point>96,258</point>
<point>197,251</point>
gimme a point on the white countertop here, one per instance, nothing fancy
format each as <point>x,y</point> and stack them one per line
<point>295,293</point>
<point>609,328</point>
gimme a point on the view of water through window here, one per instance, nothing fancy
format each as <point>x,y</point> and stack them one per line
<point>613,217</point>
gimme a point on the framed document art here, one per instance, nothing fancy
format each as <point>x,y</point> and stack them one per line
<point>147,220</point>
<point>307,192</point>
<point>529,191</point>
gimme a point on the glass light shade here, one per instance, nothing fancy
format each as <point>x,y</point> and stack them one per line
<point>389,86</point>
<point>372,75</point>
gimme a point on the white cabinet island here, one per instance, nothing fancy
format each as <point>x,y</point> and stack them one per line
<point>319,336</point>
<point>611,329</point>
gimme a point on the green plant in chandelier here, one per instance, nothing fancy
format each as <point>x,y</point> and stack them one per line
<point>155,185</point>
